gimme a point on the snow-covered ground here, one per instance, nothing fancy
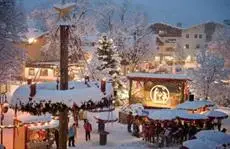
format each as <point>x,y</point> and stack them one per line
<point>118,137</point>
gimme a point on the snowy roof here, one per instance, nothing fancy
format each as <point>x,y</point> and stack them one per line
<point>188,116</point>
<point>193,105</point>
<point>164,114</point>
<point>213,135</point>
<point>134,108</point>
<point>107,116</point>
<point>199,144</point>
<point>47,92</point>
<point>33,33</point>
<point>216,114</point>
<point>170,114</point>
<point>28,118</point>
<point>47,125</point>
<point>158,76</point>
<point>202,24</point>
<point>65,6</point>
<point>51,124</point>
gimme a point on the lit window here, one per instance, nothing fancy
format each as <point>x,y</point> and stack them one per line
<point>56,73</point>
<point>187,35</point>
<point>195,36</point>
<point>44,72</point>
<point>157,58</point>
<point>186,46</point>
<point>200,36</point>
<point>31,72</point>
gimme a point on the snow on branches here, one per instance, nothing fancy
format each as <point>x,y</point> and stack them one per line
<point>208,75</point>
<point>108,57</point>
<point>11,27</point>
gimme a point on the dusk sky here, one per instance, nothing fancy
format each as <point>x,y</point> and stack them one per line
<point>188,12</point>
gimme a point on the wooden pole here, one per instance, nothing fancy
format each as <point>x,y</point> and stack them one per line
<point>63,115</point>
<point>14,123</point>
<point>130,90</point>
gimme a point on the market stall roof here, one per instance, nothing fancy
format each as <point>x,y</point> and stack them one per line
<point>188,116</point>
<point>107,116</point>
<point>139,75</point>
<point>213,135</point>
<point>50,124</point>
<point>134,108</point>
<point>194,105</point>
<point>78,93</point>
<point>200,144</point>
<point>162,115</point>
<point>216,114</point>
<point>28,118</point>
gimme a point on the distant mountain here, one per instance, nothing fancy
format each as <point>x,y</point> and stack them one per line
<point>188,12</point>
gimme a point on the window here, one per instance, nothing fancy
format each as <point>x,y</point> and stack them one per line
<point>44,72</point>
<point>56,72</point>
<point>186,46</point>
<point>197,46</point>
<point>195,36</point>
<point>187,35</point>
<point>31,72</point>
<point>200,36</point>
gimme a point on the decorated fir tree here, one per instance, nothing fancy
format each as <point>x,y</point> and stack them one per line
<point>108,57</point>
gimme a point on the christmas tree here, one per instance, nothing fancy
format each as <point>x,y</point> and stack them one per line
<point>108,57</point>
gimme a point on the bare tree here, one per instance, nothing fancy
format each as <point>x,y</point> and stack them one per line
<point>208,75</point>
<point>11,28</point>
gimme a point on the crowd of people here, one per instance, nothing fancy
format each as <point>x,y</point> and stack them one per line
<point>166,133</point>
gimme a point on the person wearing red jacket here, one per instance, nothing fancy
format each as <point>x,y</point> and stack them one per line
<point>88,129</point>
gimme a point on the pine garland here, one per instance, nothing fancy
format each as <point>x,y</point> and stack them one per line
<point>54,108</point>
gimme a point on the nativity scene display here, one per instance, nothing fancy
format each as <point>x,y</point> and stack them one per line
<point>158,90</point>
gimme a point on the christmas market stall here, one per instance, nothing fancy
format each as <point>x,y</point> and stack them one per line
<point>35,132</point>
<point>126,110</point>
<point>199,144</point>
<point>42,98</point>
<point>158,90</point>
<point>196,106</point>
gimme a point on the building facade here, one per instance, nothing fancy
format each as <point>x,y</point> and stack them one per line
<point>177,47</point>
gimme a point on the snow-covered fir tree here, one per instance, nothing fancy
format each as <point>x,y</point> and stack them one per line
<point>108,57</point>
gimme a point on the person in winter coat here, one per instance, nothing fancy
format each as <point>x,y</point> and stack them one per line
<point>56,136</point>
<point>88,129</point>
<point>129,121</point>
<point>71,134</point>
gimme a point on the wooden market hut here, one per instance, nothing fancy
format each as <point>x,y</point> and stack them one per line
<point>158,90</point>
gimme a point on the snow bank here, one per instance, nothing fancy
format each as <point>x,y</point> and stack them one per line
<point>79,93</point>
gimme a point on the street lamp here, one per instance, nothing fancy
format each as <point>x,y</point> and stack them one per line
<point>32,40</point>
<point>4,108</point>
